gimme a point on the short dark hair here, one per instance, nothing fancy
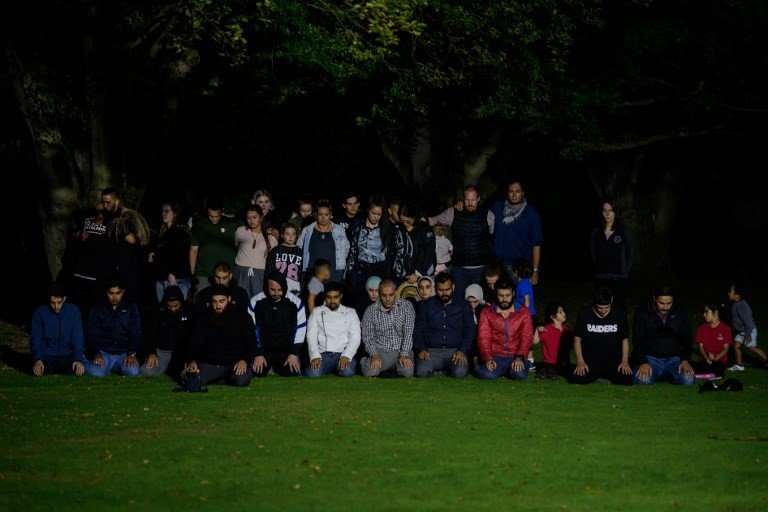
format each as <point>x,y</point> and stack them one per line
<point>332,286</point>
<point>442,278</point>
<point>663,291</point>
<point>603,296</point>
<point>111,191</point>
<point>288,225</point>
<point>114,282</point>
<point>324,203</point>
<point>322,262</point>
<point>504,284</point>
<point>222,266</point>
<point>57,290</point>
<point>552,308</point>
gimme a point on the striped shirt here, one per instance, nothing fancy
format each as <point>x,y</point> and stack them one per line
<point>388,329</point>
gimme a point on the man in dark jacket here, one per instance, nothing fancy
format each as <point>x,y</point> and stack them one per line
<point>662,340</point>
<point>168,332</point>
<point>281,325</point>
<point>113,334</point>
<point>223,345</point>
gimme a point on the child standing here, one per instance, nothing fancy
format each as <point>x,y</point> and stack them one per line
<point>287,257</point>
<point>443,249</point>
<point>744,329</point>
<point>714,340</point>
<point>549,336</point>
<point>523,270</point>
<point>315,287</point>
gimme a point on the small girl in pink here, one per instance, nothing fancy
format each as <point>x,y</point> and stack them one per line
<point>714,339</point>
<point>550,335</point>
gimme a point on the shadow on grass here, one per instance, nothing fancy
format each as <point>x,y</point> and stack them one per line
<point>20,361</point>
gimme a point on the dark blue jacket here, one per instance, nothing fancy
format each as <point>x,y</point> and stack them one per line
<point>652,337</point>
<point>444,326</point>
<point>516,239</point>
<point>113,330</point>
<point>53,335</point>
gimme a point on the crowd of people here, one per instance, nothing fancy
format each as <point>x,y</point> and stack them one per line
<point>386,291</point>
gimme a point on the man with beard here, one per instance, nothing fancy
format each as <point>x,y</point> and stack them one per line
<point>600,342</point>
<point>168,332</point>
<point>281,326</point>
<point>504,337</point>
<point>126,231</point>
<point>222,345</point>
<point>333,336</point>
<point>516,230</point>
<point>443,332</point>
<point>113,334</point>
<point>387,332</point>
<point>471,226</point>
<point>661,338</point>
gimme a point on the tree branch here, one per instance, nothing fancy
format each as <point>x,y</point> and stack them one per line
<point>653,139</point>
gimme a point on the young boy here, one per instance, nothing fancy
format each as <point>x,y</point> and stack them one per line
<point>744,329</point>
<point>286,258</point>
<point>305,215</point>
<point>315,286</point>
<point>443,249</point>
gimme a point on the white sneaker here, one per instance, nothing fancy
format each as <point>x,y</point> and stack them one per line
<point>736,368</point>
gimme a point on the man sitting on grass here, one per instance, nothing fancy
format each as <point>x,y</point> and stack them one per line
<point>662,340</point>
<point>600,342</point>
<point>223,344</point>
<point>56,336</point>
<point>504,337</point>
<point>113,334</point>
<point>168,330</point>
<point>444,331</point>
<point>387,332</point>
<point>333,336</point>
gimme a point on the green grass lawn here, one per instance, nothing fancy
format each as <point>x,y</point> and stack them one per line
<point>388,444</point>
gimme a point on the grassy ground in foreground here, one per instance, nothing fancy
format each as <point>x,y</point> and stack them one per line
<point>388,444</point>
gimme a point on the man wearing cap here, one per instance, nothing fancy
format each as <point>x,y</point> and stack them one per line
<point>281,326</point>
<point>168,331</point>
<point>444,331</point>
<point>113,334</point>
<point>56,336</point>
<point>223,345</point>
<point>333,336</point>
<point>387,333</point>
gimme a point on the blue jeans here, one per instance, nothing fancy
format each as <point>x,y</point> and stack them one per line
<point>330,364</point>
<point>665,368</point>
<point>184,284</point>
<point>503,368</point>
<point>112,363</point>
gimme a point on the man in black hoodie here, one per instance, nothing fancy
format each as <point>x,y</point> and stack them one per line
<point>222,274</point>
<point>167,333</point>
<point>281,324</point>
<point>662,340</point>
<point>223,345</point>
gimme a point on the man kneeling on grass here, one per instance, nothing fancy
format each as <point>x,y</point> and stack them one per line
<point>504,337</point>
<point>387,332</point>
<point>333,336</point>
<point>56,336</point>
<point>223,345</point>
<point>113,334</point>
<point>600,342</point>
<point>444,331</point>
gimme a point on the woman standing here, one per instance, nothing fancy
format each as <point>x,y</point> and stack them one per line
<point>324,240</point>
<point>253,245</point>
<point>613,252</point>
<point>171,252</point>
<point>415,244</point>
<point>269,222</point>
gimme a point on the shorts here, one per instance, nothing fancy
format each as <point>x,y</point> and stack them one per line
<point>739,338</point>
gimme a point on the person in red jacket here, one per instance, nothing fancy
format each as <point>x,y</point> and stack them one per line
<point>504,338</point>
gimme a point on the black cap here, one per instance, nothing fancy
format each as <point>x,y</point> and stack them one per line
<point>173,293</point>
<point>220,289</point>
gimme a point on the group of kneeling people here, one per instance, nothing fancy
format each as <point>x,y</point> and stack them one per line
<point>232,341</point>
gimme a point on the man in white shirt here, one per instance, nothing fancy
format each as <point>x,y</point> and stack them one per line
<point>333,336</point>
